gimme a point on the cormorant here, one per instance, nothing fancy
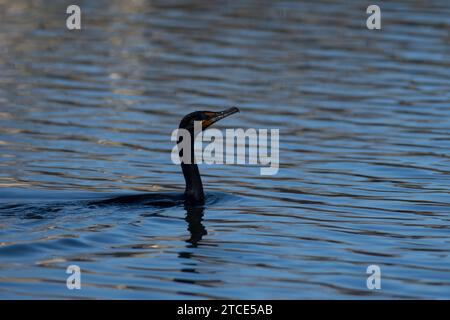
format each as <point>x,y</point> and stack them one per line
<point>193,194</point>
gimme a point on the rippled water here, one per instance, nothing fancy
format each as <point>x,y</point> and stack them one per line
<point>364,119</point>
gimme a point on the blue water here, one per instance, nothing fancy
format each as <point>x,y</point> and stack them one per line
<point>364,120</point>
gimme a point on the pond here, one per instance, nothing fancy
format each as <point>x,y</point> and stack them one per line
<point>364,149</point>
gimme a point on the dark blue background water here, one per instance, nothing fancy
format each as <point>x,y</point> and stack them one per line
<point>364,119</point>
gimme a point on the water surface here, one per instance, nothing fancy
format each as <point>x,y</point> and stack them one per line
<point>364,120</point>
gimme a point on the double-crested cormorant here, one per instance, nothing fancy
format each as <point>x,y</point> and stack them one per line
<point>193,194</point>
<point>194,187</point>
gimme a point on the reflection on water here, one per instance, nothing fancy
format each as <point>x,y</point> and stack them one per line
<point>364,175</point>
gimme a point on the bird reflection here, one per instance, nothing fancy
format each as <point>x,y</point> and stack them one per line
<point>194,218</point>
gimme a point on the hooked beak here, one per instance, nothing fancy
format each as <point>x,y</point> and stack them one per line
<point>216,116</point>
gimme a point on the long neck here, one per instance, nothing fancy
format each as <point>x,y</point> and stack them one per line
<point>194,187</point>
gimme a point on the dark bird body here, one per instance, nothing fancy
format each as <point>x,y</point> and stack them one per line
<point>193,194</point>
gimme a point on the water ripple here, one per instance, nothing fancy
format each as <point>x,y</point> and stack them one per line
<point>364,150</point>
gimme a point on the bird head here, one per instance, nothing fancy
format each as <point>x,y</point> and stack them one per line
<point>206,117</point>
